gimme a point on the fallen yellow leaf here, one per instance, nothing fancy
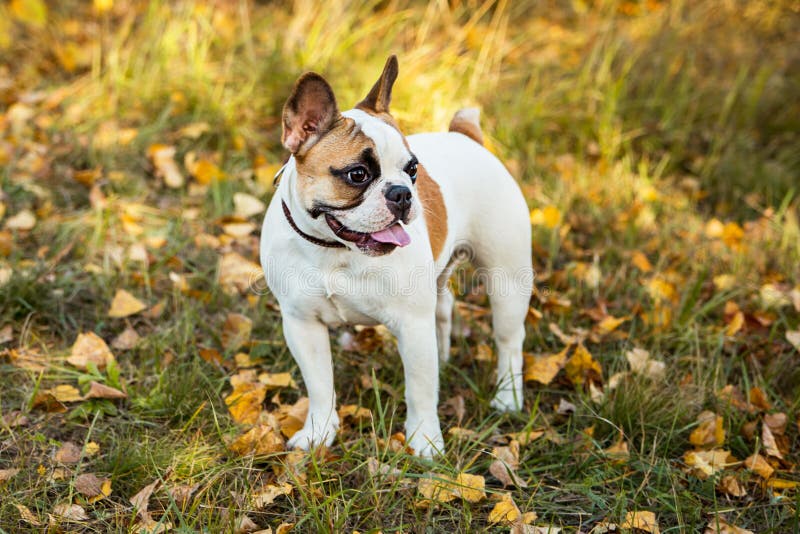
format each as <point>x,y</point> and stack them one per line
<point>90,348</point>
<point>244,402</point>
<point>703,464</point>
<point>237,274</point>
<point>65,393</point>
<point>640,261</point>
<point>505,511</point>
<point>163,159</point>
<point>260,440</point>
<point>581,367</point>
<point>710,431</point>
<point>759,465</point>
<point>236,331</point>
<point>645,521</point>
<point>543,369</point>
<point>125,305</point>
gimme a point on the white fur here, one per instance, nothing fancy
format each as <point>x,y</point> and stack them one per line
<point>405,290</point>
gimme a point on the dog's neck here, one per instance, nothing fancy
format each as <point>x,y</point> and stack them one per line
<point>298,216</point>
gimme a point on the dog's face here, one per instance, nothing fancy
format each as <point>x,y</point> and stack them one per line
<point>355,172</point>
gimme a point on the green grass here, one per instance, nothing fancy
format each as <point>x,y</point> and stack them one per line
<point>639,121</point>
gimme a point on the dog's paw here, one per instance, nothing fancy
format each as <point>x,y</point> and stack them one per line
<point>311,436</point>
<point>507,400</point>
<point>426,443</point>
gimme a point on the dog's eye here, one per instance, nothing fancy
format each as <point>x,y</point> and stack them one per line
<point>358,175</point>
<point>411,170</point>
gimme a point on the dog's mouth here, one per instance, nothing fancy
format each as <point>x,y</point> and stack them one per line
<point>380,242</point>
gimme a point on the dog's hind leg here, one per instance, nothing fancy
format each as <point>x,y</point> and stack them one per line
<point>505,265</point>
<point>444,320</point>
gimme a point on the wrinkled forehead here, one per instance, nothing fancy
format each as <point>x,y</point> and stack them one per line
<point>389,142</point>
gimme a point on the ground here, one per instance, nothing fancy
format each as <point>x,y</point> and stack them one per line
<point>142,359</point>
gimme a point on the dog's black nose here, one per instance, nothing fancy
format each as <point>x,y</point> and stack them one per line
<point>398,199</point>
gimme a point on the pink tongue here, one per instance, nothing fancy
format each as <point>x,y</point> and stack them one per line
<point>394,234</point>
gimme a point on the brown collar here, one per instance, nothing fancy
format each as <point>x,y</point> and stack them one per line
<point>309,238</point>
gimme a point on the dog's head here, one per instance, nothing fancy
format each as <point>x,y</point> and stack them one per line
<point>355,171</point>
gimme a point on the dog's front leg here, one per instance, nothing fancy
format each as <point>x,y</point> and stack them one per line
<point>309,343</point>
<point>417,343</point>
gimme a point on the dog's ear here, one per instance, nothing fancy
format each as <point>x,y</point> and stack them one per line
<point>381,93</point>
<point>308,113</point>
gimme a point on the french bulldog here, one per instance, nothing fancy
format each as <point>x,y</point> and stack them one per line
<point>366,227</point>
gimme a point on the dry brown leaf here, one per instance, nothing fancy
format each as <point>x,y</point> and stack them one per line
<point>245,400</point>
<point>141,501</point>
<point>543,369</point>
<point>69,512</point>
<point>717,525</point>
<point>793,337</point>
<point>68,453</point>
<point>92,487</point>
<point>237,274</point>
<point>102,391</point>
<point>267,494</point>
<point>730,485</point>
<point>455,406</point>
<point>759,399</point>
<point>7,474</point>
<point>504,467</point>
<point>48,402</point>
<point>163,159</point>
<point>641,364</point>
<point>375,467</point>
<point>581,367</point>
<point>710,431</point>
<point>505,511</point>
<point>28,358</point>
<point>26,515</point>
<point>769,443</point>
<point>126,340</point>
<point>182,494</point>
<point>124,305</point>
<point>645,521</point>
<point>759,465</point>
<point>260,440</point>
<point>776,422</point>
<point>573,339</point>
<point>24,220</point>
<point>6,333</point>
<point>90,348</point>
<point>15,418</point>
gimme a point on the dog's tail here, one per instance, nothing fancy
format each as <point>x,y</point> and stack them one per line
<point>467,122</point>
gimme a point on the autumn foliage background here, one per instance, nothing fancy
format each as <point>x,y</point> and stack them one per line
<point>145,383</point>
